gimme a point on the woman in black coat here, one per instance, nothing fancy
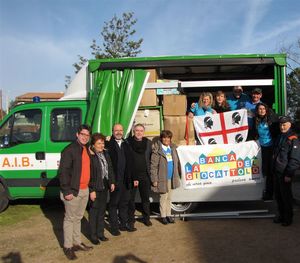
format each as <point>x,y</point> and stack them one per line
<point>102,179</point>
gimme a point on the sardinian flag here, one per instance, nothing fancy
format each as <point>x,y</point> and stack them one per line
<point>222,128</point>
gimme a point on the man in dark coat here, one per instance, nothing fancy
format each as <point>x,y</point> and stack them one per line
<point>122,161</point>
<point>74,177</point>
<point>141,147</point>
<point>286,161</point>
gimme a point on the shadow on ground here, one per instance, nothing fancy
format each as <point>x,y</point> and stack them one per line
<point>128,258</point>
<point>12,257</point>
<point>53,210</point>
<point>244,240</point>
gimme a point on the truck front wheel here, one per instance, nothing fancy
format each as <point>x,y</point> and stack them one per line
<point>3,198</point>
<point>180,208</point>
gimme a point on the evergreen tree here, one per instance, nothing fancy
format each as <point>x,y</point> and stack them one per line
<point>117,41</point>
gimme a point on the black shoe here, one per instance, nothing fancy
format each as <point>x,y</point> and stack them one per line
<point>115,232</point>
<point>286,223</point>
<point>147,222</point>
<point>70,254</point>
<point>170,220</point>
<point>267,198</point>
<point>95,241</point>
<point>131,228</point>
<point>82,247</point>
<point>164,221</point>
<point>123,228</point>
<point>277,220</point>
<point>103,238</point>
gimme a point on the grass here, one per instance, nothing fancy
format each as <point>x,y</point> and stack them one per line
<point>19,211</point>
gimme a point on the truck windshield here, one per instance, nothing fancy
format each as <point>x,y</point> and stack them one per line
<point>21,127</point>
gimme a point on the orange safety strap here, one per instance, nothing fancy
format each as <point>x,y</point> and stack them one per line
<point>187,130</point>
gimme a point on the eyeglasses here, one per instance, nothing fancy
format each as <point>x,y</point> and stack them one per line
<point>84,134</point>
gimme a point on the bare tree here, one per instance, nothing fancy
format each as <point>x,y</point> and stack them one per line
<point>293,78</point>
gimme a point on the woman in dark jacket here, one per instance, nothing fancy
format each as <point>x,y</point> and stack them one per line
<point>265,130</point>
<point>220,102</point>
<point>102,180</point>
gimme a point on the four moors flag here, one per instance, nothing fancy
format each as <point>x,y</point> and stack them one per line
<point>222,128</point>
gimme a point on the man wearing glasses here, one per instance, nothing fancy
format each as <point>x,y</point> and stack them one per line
<point>74,177</point>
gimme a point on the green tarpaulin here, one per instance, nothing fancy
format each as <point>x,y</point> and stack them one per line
<point>113,98</point>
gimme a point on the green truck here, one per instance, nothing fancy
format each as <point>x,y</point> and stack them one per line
<point>109,91</point>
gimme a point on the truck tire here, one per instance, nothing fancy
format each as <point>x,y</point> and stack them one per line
<point>180,208</point>
<point>3,198</point>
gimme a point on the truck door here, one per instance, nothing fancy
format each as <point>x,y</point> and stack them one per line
<point>63,124</point>
<point>22,152</point>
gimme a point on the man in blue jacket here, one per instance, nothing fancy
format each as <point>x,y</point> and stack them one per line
<point>237,100</point>
<point>251,105</point>
<point>286,161</point>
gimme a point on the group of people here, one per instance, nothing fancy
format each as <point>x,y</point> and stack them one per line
<point>104,174</point>
<point>93,169</point>
<point>219,103</point>
<point>280,146</point>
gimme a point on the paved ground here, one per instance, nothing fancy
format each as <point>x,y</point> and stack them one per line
<point>39,238</point>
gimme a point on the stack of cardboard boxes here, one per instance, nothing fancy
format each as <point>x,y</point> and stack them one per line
<point>176,120</point>
<point>149,113</point>
<point>174,117</point>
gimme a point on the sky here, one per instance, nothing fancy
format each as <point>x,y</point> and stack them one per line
<point>41,39</point>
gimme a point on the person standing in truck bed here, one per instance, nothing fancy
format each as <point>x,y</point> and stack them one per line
<point>237,100</point>
<point>203,106</point>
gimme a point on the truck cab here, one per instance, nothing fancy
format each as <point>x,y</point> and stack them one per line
<point>31,139</point>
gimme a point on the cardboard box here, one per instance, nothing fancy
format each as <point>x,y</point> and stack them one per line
<point>182,129</point>
<point>190,132</point>
<point>149,98</point>
<point>153,75</point>
<point>151,119</point>
<point>174,105</point>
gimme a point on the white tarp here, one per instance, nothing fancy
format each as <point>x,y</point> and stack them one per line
<point>222,128</point>
<point>219,165</point>
<point>78,89</point>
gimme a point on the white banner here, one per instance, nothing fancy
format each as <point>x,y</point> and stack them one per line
<point>222,128</point>
<point>220,165</point>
